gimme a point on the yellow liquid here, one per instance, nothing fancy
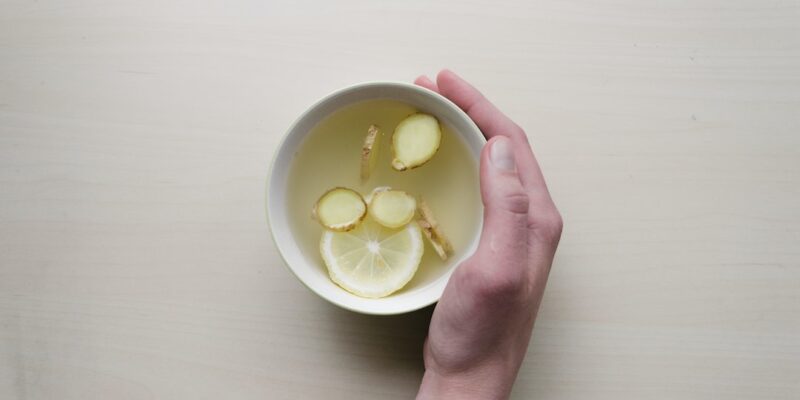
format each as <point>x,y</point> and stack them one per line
<point>331,156</point>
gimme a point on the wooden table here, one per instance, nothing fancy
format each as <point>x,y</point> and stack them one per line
<point>135,259</point>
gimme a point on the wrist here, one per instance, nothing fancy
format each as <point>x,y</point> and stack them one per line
<point>483,384</point>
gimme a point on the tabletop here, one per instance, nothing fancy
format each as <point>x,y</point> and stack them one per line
<point>135,138</point>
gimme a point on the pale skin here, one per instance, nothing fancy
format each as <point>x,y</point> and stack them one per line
<point>481,327</point>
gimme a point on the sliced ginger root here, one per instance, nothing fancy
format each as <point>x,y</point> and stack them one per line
<point>432,230</point>
<point>415,141</point>
<point>392,208</point>
<point>340,209</point>
<point>378,189</point>
<point>369,151</point>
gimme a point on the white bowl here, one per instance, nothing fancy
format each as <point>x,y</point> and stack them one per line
<point>305,266</point>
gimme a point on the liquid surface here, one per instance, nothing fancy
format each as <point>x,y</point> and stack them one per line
<point>331,154</point>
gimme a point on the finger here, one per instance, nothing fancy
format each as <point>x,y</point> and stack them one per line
<point>505,215</point>
<point>492,123</point>
<point>426,82</point>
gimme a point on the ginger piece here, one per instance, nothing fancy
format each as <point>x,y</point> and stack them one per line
<point>369,151</point>
<point>340,209</point>
<point>432,230</point>
<point>416,140</point>
<point>392,208</point>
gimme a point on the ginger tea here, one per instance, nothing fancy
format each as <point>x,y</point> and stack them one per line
<point>330,156</point>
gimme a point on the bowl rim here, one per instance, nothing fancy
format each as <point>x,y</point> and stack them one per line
<point>293,126</point>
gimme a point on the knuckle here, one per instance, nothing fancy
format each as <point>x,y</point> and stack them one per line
<point>517,131</point>
<point>556,224</point>
<point>517,202</point>
<point>550,226</point>
<point>500,287</point>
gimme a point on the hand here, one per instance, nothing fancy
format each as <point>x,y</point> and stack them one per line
<point>480,329</point>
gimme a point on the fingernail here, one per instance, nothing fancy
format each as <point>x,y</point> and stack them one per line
<point>502,154</point>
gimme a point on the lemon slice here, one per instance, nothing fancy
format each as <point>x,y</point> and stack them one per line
<point>371,260</point>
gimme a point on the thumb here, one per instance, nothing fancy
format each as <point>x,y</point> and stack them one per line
<point>505,215</point>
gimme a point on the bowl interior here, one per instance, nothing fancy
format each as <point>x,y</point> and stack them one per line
<point>305,266</point>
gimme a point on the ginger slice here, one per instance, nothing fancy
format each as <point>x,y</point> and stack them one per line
<point>368,198</point>
<point>415,141</point>
<point>392,208</point>
<point>432,230</point>
<point>340,209</point>
<point>369,151</point>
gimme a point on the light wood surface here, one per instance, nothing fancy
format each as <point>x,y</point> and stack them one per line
<point>135,137</point>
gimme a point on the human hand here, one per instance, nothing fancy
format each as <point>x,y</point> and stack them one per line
<point>481,327</point>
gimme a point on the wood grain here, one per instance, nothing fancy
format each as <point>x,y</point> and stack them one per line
<point>135,260</point>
